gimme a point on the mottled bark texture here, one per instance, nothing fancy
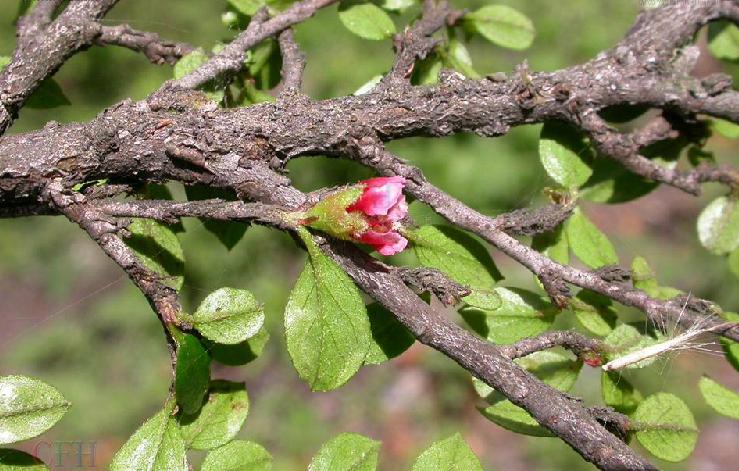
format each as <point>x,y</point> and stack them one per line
<point>177,135</point>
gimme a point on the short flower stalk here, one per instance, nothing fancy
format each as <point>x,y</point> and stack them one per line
<point>370,213</point>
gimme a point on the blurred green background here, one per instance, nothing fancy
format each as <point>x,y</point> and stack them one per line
<point>71,318</point>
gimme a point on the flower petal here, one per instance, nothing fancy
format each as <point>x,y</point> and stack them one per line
<point>380,195</point>
<point>387,243</point>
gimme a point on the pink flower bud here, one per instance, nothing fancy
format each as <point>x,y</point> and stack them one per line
<point>383,205</point>
<point>369,213</point>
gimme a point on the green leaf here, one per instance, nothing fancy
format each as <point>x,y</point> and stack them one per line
<point>458,57</point>
<point>521,314</point>
<point>192,375</point>
<point>565,154</point>
<point>347,452</point>
<point>503,26</point>
<point>366,20</point>
<point>734,262</point>
<point>513,418</point>
<point>726,128</point>
<point>246,7</point>
<point>427,71</point>
<point>228,232</point>
<point>326,326</point>
<point>643,278</point>
<point>240,353</point>
<point>451,454</point>
<point>48,95</point>
<point>553,244</point>
<point>220,418</point>
<point>594,312</point>
<point>619,393</point>
<point>155,446</point>
<point>730,347</point>
<point>159,250</point>
<point>4,61</point>
<point>625,339</point>
<point>718,225</point>
<point>28,408</point>
<point>397,5</point>
<point>238,455</point>
<point>462,258</point>
<point>556,369</point>
<point>264,63</point>
<point>188,64</point>
<point>16,460</point>
<point>229,316</point>
<point>665,427</point>
<point>612,183</point>
<point>390,338</point>
<point>588,243</point>
<point>723,40</point>
<point>369,85</point>
<point>721,399</point>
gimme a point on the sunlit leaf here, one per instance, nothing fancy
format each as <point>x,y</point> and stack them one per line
<point>238,455</point>
<point>665,427</point>
<point>461,258</point>
<point>347,452</point>
<point>588,243</point>
<point>718,225</point>
<point>159,250</point>
<point>565,154</point>
<point>229,316</point>
<point>326,326</point>
<point>28,407</point>
<point>366,20</point>
<point>451,454</point>
<point>721,399</point>
<point>220,418</point>
<point>503,26</point>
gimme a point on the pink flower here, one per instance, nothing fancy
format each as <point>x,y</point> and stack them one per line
<point>368,212</point>
<point>383,205</point>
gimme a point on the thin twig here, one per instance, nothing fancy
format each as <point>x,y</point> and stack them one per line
<point>293,62</point>
<point>156,49</point>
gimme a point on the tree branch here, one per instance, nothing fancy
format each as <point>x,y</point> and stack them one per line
<point>156,49</point>
<point>293,63</point>
<point>231,58</point>
<point>577,343</point>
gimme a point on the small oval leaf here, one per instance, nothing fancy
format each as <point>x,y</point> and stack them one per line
<point>155,446</point>
<point>565,154</point>
<point>666,427</point>
<point>238,455</point>
<point>721,399</point>
<point>390,338</point>
<point>346,452</point>
<point>723,40</point>
<point>159,250</point>
<point>450,454</point>
<point>326,326</point>
<point>366,20</point>
<point>229,316</point>
<point>192,375</point>
<point>521,314</point>
<point>588,243</point>
<point>618,393</point>
<point>718,225</point>
<point>16,460</point>
<point>28,408</point>
<point>503,26</point>
<point>462,258</point>
<point>220,418</point>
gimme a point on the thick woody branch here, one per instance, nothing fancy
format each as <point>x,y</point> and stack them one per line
<point>293,63</point>
<point>561,414</point>
<point>231,59</point>
<point>490,229</point>
<point>156,49</point>
<point>39,55</point>
<point>36,19</point>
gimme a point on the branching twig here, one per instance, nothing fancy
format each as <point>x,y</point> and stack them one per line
<point>231,58</point>
<point>156,49</point>
<point>577,343</point>
<point>293,63</point>
<point>416,42</point>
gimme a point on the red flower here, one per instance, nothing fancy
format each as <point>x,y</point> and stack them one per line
<point>383,205</point>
